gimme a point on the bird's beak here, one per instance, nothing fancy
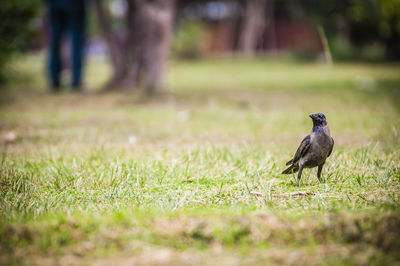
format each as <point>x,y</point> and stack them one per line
<point>312,116</point>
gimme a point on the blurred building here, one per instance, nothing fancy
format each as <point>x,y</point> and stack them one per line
<point>223,21</point>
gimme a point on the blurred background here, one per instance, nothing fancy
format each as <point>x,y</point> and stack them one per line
<point>130,41</point>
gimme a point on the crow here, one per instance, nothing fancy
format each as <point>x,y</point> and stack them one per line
<point>314,149</point>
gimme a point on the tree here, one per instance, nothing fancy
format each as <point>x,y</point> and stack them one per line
<point>253,24</point>
<point>354,25</point>
<point>138,58</point>
<point>16,17</point>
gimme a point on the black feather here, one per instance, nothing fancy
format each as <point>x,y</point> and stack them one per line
<point>291,170</point>
<point>313,149</point>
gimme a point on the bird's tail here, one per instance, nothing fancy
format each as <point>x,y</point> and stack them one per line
<point>291,169</point>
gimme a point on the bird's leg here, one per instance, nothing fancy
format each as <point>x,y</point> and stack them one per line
<point>299,175</point>
<point>319,172</point>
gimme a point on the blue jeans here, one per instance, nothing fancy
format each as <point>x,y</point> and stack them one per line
<point>62,22</point>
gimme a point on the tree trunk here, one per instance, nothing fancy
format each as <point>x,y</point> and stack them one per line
<point>157,21</point>
<point>139,60</point>
<point>113,46</point>
<point>252,26</point>
<point>132,47</point>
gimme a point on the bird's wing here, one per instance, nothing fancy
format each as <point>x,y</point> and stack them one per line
<point>302,150</point>
<point>333,143</point>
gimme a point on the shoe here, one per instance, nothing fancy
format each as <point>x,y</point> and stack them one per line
<point>76,88</point>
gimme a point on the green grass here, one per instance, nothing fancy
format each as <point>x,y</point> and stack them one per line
<point>195,177</point>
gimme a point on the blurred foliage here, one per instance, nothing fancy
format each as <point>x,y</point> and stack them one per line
<point>188,38</point>
<point>373,26</point>
<point>342,48</point>
<point>15,28</point>
<point>373,52</point>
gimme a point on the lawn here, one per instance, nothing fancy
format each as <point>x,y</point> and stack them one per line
<point>194,177</point>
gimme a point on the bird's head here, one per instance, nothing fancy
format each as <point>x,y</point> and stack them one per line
<point>319,119</point>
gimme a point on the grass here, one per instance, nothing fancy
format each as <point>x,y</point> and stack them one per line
<point>195,179</point>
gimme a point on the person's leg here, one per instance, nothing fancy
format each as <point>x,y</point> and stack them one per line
<point>54,64</point>
<point>78,32</point>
